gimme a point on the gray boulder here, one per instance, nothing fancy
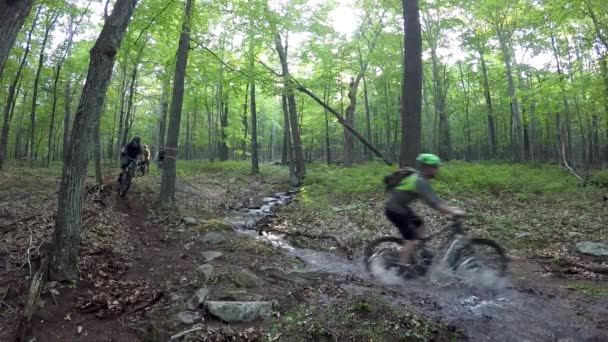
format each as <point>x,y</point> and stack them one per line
<point>234,312</point>
<point>592,248</point>
<point>210,255</point>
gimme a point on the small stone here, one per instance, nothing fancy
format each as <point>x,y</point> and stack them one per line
<point>210,255</point>
<point>206,270</point>
<point>189,221</point>
<point>79,329</point>
<point>51,284</point>
<point>188,245</point>
<point>188,317</point>
<point>214,238</point>
<point>592,248</point>
<point>54,291</point>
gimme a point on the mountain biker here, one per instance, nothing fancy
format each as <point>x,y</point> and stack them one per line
<point>129,152</point>
<point>398,210</point>
<point>146,160</point>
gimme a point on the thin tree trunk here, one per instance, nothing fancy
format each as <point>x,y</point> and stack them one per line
<point>517,147</point>
<point>490,112</point>
<point>167,188</point>
<point>327,146</point>
<point>164,108</point>
<point>129,115</point>
<point>368,120</point>
<point>12,17</point>
<point>411,90</point>
<point>12,93</point>
<point>292,165</point>
<point>47,31</point>
<point>123,97</point>
<point>291,105</point>
<point>66,239</point>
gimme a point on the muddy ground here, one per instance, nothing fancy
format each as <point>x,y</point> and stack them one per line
<point>140,267</point>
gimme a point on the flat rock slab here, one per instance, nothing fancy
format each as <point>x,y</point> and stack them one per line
<point>234,312</point>
<point>210,255</point>
<point>592,248</point>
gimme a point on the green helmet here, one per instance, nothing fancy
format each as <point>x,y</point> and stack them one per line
<point>428,159</point>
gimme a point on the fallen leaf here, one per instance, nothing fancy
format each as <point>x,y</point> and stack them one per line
<point>79,329</point>
<point>68,317</point>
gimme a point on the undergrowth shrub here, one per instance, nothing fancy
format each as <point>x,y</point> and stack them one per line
<point>600,179</point>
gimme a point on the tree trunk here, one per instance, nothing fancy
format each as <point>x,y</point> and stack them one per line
<point>223,125</point>
<point>123,99</point>
<point>12,93</point>
<point>439,95</point>
<point>490,112</point>
<point>167,188</point>
<point>368,120</point>
<point>164,108</point>
<point>411,90</point>
<point>66,239</point>
<point>12,16</point>
<point>128,117</point>
<point>47,31</point>
<point>292,165</point>
<point>291,105</point>
<point>517,147</point>
<point>327,146</point>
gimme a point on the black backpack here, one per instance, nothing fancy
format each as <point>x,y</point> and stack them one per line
<point>395,178</point>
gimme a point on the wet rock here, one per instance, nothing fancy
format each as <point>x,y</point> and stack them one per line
<point>214,238</point>
<point>305,274</point>
<point>268,199</point>
<point>189,221</point>
<point>210,255</point>
<point>470,301</point>
<point>198,300</point>
<point>592,248</point>
<point>233,312</point>
<point>246,278</point>
<point>206,270</point>
<point>188,317</point>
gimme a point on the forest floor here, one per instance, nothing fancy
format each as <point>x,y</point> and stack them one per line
<point>140,267</point>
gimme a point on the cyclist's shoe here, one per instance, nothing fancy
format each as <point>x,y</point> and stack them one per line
<point>119,178</point>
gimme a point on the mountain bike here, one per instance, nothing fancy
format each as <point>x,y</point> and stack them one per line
<point>125,180</point>
<point>461,252</point>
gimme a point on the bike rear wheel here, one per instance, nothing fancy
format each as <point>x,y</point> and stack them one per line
<point>125,183</point>
<point>481,255</point>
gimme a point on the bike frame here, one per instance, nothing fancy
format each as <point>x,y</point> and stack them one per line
<point>457,238</point>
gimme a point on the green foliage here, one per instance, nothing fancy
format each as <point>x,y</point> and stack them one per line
<point>600,179</point>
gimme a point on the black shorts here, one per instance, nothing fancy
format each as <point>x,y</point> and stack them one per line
<point>407,223</point>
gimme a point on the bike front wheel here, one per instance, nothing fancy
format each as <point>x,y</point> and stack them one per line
<point>125,183</point>
<point>481,256</point>
<point>383,251</point>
